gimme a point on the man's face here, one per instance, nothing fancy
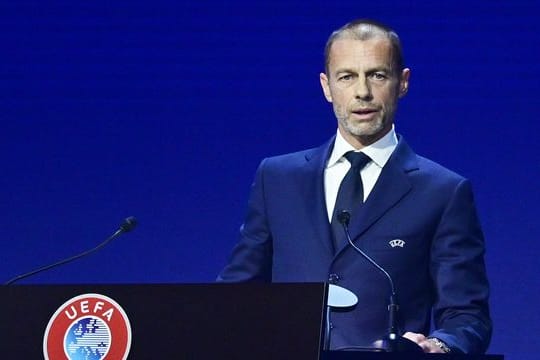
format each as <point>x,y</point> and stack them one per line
<point>363,88</point>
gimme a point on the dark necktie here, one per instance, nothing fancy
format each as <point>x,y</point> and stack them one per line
<point>350,195</point>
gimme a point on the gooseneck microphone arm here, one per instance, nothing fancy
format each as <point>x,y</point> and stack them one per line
<point>344,217</point>
<point>126,226</point>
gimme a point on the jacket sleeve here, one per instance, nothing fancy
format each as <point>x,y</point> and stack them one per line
<point>251,259</point>
<point>461,312</point>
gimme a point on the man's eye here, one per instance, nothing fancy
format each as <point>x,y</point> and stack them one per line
<point>345,78</point>
<point>378,76</point>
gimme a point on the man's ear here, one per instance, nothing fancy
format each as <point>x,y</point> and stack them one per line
<point>404,82</point>
<point>325,87</point>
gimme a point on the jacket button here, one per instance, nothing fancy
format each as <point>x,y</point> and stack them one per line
<point>333,278</point>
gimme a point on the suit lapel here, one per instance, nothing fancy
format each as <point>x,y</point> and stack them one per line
<point>392,185</point>
<point>316,202</point>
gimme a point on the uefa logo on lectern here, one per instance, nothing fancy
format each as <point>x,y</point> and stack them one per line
<point>89,326</point>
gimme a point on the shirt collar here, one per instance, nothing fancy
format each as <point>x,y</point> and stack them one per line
<point>380,151</point>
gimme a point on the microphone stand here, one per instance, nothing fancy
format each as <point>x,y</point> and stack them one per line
<point>126,226</point>
<point>393,342</point>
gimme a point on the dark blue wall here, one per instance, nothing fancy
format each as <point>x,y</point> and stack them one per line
<point>163,110</point>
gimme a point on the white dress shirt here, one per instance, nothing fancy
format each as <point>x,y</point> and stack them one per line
<point>338,166</point>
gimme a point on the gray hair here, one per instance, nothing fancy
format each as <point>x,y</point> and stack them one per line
<point>365,29</point>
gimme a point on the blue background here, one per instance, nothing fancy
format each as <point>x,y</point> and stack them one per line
<point>163,110</point>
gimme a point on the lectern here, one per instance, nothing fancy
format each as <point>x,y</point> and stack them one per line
<point>192,321</point>
<point>172,321</point>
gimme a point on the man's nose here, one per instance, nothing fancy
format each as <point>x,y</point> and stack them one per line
<point>363,90</point>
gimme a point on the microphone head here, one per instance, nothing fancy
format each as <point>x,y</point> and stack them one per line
<point>344,217</point>
<point>128,224</point>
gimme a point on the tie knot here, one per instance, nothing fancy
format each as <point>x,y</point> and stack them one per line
<point>357,159</point>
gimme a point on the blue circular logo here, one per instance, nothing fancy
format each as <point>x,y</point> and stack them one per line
<point>88,338</point>
<point>89,327</point>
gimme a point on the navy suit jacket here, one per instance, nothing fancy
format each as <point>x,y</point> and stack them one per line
<point>439,271</point>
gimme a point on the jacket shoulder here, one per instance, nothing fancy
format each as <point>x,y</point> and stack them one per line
<point>314,156</point>
<point>431,168</point>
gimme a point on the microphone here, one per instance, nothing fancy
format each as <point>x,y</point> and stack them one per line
<point>393,341</point>
<point>127,225</point>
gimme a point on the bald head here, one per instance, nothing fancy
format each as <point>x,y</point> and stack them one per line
<point>364,29</point>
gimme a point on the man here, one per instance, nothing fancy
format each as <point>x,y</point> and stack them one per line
<point>412,216</point>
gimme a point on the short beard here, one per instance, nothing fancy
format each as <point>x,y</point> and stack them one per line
<point>365,129</point>
<point>367,132</point>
